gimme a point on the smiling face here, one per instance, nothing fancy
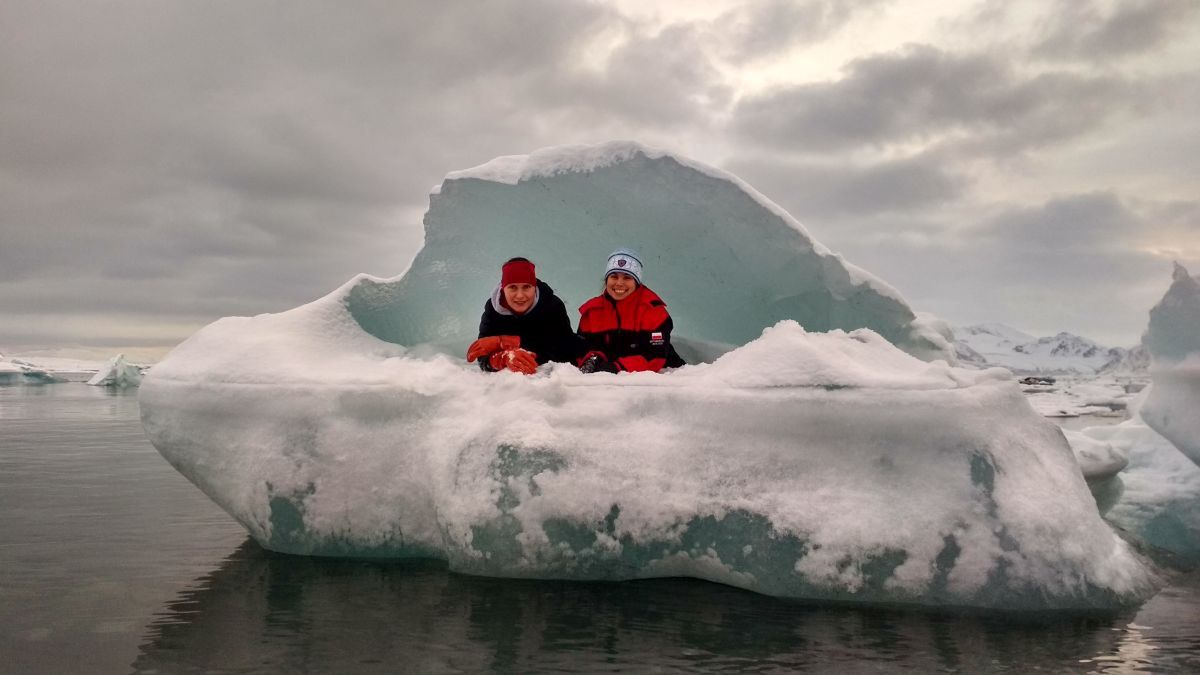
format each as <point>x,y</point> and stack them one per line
<point>619,285</point>
<point>519,297</point>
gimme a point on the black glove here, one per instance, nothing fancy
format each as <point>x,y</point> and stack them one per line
<point>596,363</point>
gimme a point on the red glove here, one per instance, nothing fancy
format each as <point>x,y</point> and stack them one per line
<point>516,360</point>
<point>486,346</point>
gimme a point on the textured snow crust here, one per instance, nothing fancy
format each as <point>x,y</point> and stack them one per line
<point>818,466</point>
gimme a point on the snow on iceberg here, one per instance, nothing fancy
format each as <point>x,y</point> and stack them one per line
<point>19,372</point>
<point>799,464</point>
<point>1173,340</point>
<point>117,373</point>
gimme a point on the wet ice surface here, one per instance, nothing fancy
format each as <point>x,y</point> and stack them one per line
<point>111,561</point>
<point>1103,400</point>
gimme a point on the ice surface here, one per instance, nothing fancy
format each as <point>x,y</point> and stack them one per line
<point>1097,459</point>
<point>60,368</point>
<point>1105,396</point>
<point>1172,407</point>
<point>1174,330</point>
<point>17,372</point>
<point>117,373</point>
<point>801,464</point>
<point>727,261</point>
<point>1157,497</point>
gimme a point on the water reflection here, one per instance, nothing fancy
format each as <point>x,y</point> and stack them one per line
<point>265,612</point>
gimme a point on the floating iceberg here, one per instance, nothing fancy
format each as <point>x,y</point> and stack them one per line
<point>798,464</point>
<point>1173,340</point>
<point>117,373</point>
<point>1157,497</point>
<point>19,372</point>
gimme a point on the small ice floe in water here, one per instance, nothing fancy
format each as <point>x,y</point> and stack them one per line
<point>117,373</point>
<point>19,372</point>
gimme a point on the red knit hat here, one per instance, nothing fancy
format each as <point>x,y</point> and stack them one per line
<point>518,271</point>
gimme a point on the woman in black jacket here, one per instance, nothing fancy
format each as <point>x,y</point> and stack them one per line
<point>524,324</point>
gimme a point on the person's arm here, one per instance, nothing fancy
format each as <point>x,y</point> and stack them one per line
<point>590,342</point>
<point>491,347</point>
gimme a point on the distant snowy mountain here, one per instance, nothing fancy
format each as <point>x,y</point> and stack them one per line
<point>995,344</point>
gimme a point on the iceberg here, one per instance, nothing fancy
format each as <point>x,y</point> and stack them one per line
<point>117,373</point>
<point>18,372</point>
<point>1157,497</point>
<point>727,260</point>
<point>1173,340</point>
<point>806,455</point>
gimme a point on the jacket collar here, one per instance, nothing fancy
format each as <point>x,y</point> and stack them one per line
<point>642,295</point>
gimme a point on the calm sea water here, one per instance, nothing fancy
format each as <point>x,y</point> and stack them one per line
<point>111,562</point>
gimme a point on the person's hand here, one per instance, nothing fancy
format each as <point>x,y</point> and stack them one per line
<point>486,346</point>
<point>516,360</point>
<point>595,362</point>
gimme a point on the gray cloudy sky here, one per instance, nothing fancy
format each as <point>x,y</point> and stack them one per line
<point>163,164</point>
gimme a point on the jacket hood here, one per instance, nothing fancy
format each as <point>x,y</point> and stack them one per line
<point>498,298</point>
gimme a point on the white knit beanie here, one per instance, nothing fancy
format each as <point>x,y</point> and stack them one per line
<point>627,261</point>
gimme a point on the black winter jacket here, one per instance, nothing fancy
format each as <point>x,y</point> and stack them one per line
<point>544,330</point>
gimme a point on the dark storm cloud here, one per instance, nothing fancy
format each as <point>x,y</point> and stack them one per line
<point>1084,29</point>
<point>767,27</point>
<point>845,188</point>
<point>924,94</point>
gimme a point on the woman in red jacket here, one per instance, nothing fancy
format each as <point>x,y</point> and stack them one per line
<point>626,327</point>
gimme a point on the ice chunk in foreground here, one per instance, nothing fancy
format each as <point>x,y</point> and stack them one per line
<point>117,373</point>
<point>1172,407</point>
<point>1097,460</point>
<point>799,464</point>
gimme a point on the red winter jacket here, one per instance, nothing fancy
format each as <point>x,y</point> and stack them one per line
<point>634,333</point>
